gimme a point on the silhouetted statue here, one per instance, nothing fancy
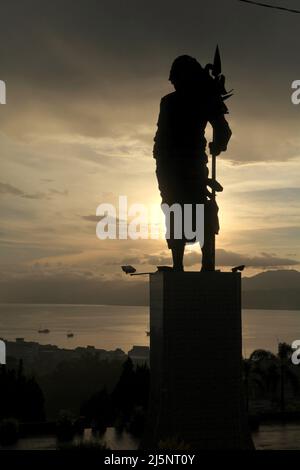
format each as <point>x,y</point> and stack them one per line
<point>180,148</point>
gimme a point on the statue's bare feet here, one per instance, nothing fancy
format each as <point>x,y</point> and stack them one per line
<point>178,268</point>
<point>206,269</point>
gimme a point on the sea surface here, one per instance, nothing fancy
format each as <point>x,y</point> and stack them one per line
<point>114,326</point>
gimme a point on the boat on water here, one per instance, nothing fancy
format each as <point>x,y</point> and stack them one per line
<point>44,330</point>
<point>70,335</point>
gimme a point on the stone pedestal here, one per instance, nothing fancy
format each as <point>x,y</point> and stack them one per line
<point>196,361</point>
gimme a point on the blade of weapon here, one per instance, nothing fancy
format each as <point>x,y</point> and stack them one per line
<point>217,66</point>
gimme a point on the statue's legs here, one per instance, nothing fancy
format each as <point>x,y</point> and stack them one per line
<point>182,183</point>
<point>207,256</point>
<point>177,254</point>
<point>211,227</point>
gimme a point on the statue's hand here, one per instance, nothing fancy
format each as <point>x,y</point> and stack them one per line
<point>214,149</point>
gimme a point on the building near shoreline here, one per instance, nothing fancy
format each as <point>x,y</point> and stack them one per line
<point>139,355</point>
<point>35,355</point>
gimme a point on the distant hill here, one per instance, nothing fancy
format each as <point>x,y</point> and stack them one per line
<point>281,279</point>
<point>272,290</point>
<point>267,290</point>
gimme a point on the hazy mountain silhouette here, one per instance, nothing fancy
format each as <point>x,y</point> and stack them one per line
<point>278,289</point>
<point>279,279</point>
<point>272,290</point>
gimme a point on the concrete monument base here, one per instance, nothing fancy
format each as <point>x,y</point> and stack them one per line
<point>196,396</point>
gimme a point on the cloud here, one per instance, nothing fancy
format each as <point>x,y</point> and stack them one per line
<point>83,99</point>
<point>97,218</point>
<point>286,235</point>
<point>99,70</point>
<point>223,258</point>
<point>6,188</point>
<point>64,192</point>
<point>91,218</point>
<point>264,260</point>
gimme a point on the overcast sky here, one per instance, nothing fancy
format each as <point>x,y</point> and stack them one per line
<point>84,80</point>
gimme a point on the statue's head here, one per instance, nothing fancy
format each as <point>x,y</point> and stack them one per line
<point>186,72</point>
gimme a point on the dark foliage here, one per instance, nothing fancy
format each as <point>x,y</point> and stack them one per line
<point>126,406</point>
<point>21,396</point>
